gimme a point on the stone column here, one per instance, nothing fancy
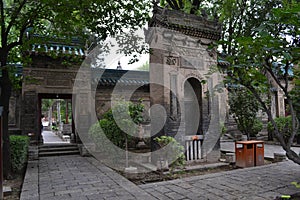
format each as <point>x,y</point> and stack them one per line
<point>30,115</point>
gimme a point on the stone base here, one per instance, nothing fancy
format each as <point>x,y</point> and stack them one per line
<point>33,153</point>
<point>83,151</point>
<point>279,157</point>
<point>141,145</point>
<point>162,165</point>
<point>131,172</point>
<point>7,191</point>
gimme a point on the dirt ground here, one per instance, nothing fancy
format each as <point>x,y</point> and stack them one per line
<point>16,186</point>
<point>156,176</point>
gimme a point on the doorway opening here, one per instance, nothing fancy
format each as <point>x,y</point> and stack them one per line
<point>56,119</point>
<point>193,107</point>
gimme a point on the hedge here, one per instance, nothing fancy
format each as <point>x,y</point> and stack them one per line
<point>19,151</point>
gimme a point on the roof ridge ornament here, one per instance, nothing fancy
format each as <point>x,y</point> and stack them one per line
<point>119,67</point>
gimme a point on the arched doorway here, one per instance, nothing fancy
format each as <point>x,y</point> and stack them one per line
<point>193,107</point>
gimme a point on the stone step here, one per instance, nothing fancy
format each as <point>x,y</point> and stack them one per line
<point>47,146</point>
<point>58,153</point>
<point>58,149</point>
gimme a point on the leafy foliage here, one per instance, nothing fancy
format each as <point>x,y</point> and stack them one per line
<point>295,93</point>
<point>244,108</point>
<point>65,19</point>
<point>118,123</point>
<point>175,148</point>
<point>19,151</point>
<point>144,67</point>
<point>188,6</point>
<point>284,125</point>
<point>264,60</point>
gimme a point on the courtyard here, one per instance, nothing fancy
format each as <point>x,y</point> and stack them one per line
<point>76,177</point>
<point>213,69</point>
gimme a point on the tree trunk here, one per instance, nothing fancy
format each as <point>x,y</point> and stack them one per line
<point>6,87</point>
<point>270,136</point>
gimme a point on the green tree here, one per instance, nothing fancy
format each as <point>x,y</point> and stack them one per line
<point>265,61</point>
<point>191,7</point>
<point>119,125</point>
<point>101,18</point>
<point>239,17</point>
<point>254,40</point>
<point>144,67</point>
<point>118,122</point>
<point>295,93</point>
<point>244,108</point>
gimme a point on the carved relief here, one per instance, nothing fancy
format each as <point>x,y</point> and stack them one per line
<point>51,78</point>
<point>58,83</point>
<point>193,63</point>
<point>170,60</point>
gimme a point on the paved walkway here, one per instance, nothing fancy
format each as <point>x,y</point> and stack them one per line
<point>259,183</point>
<point>76,177</point>
<point>49,137</point>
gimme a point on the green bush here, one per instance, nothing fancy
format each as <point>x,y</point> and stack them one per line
<point>284,125</point>
<point>125,114</point>
<point>175,149</point>
<point>19,151</point>
<point>256,127</point>
<point>244,108</point>
<point>54,128</point>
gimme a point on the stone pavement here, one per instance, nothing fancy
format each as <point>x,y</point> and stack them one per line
<point>75,177</point>
<point>49,137</point>
<point>78,178</point>
<point>257,183</point>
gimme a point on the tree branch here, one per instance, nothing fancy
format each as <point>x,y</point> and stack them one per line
<point>20,41</point>
<point>195,6</point>
<point>3,39</point>
<point>269,69</point>
<point>295,123</point>
<point>173,4</point>
<point>263,104</point>
<point>15,15</point>
<point>286,75</point>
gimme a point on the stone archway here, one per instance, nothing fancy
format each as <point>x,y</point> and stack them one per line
<point>48,83</point>
<point>193,107</point>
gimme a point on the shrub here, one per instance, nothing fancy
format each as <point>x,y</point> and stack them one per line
<point>284,125</point>
<point>19,151</point>
<point>256,127</point>
<point>54,128</point>
<point>124,114</point>
<point>175,148</point>
<point>244,108</point>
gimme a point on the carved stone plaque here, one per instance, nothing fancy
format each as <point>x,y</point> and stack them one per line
<point>192,63</point>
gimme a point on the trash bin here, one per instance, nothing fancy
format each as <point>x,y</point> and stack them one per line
<point>249,153</point>
<point>244,154</point>
<point>259,153</point>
